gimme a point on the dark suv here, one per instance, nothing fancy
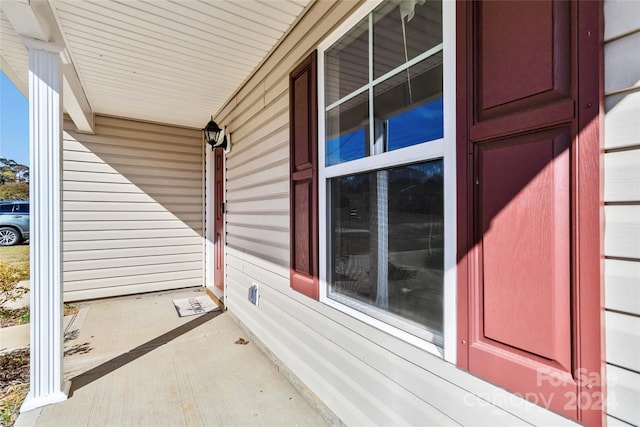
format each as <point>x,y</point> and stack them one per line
<point>14,222</point>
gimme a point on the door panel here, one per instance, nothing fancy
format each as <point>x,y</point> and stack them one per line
<point>218,224</point>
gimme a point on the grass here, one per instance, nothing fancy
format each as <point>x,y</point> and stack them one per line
<point>14,316</point>
<point>18,255</point>
<point>14,384</point>
<point>10,403</point>
<point>22,316</point>
<point>14,366</point>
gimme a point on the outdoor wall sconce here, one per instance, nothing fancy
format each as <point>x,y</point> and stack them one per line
<point>212,136</point>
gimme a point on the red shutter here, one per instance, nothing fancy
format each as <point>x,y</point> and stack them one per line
<point>303,145</point>
<point>526,309</point>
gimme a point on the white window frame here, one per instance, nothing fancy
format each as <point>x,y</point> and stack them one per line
<point>443,148</point>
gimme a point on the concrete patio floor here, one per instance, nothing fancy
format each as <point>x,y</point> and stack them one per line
<point>132,361</point>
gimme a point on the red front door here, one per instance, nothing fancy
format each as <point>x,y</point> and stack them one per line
<point>528,147</point>
<point>218,222</point>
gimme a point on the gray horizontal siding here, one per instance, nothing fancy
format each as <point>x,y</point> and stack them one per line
<point>622,210</point>
<point>132,209</point>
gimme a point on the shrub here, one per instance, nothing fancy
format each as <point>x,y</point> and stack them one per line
<point>14,191</point>
<point>10,276</point>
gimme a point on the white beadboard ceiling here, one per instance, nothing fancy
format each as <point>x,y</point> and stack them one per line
<point>167,61</point>
<point>14,58</point>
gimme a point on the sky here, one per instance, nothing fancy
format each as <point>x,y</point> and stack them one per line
<point>14,122</point>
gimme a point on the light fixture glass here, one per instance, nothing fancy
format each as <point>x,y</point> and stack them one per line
<point>211,133</point>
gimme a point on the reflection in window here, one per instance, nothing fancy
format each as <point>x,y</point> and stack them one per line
<point>403,30</point>
<point>387,242</point>
<point>346,63</point>
<point>410,104</point>
<point>347,131</point>
<point>383,91</point>
<point>346,147</point>
<point>423,123</point>
<point>407,100</point>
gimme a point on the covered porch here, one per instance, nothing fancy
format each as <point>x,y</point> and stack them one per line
<point>121,178</point>
<point>133,361</point>
<point>124,194</point>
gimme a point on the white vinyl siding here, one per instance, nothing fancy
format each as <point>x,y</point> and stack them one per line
<point>132,209</point>
<point>622,210</point>
<point>362,374</point>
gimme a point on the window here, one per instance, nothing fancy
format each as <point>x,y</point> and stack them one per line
<point>383,82</point>
<point>385,170</point>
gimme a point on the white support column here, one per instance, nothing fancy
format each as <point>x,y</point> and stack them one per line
<point>45,134</point>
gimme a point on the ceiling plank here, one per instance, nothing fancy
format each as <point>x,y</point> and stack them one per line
<point>163,61</point>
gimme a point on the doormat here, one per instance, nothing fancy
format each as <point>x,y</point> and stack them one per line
<point>194,305</point>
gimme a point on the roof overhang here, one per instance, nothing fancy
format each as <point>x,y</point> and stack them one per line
<point>165,61</point>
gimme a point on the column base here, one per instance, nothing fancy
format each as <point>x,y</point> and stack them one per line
<point>32,402</point>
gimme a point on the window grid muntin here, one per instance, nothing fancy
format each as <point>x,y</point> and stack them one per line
<point>425,151</point>
<point>376,150</point>
<point>370,88</point>
<point>372,82</point>
<point>420,152</point>
<point>372,146</point>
